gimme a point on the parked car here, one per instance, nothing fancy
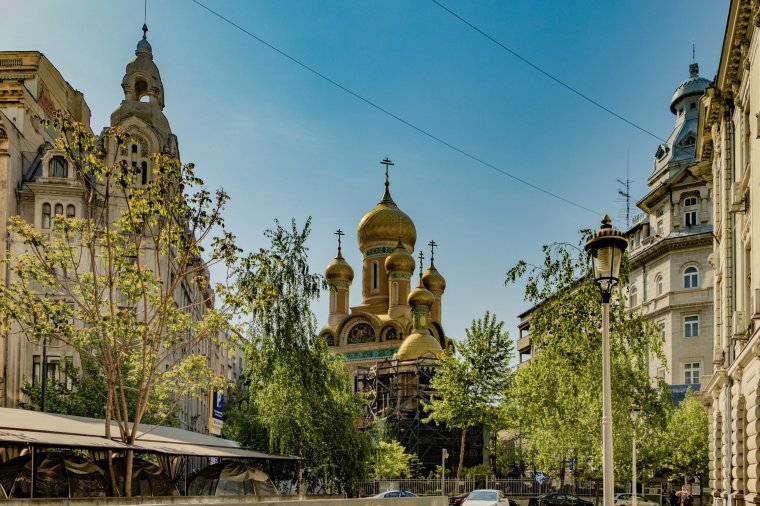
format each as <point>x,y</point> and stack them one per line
<point>457,500</point>
<point>393,493</point>
<point>627,500</point>
<point>485,498</point>
<point>558,499</point>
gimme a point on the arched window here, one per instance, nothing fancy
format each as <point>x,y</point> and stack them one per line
<point>59,209</point>
<point>658,284</point>
<point>45,215</point>
<point>691,277</point>
<point>59,167</point>
<point>375,276</point>
<point>633,296</point>
<point>71,211</point>
<point>134,148</point>
<point>144,172</point>
<point>394,293</point>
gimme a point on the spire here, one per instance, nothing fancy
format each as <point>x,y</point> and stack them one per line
<point>387,195</point>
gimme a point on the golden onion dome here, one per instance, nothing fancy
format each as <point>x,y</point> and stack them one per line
<point>418,344</point>
<point>421,296</point>
<point>400,260</point>
<point>339,270</point>
<point>384,224</point>
<point>433,280</point>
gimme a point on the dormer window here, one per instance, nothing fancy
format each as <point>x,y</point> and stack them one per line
<point>662,150</point>
<point>59,167</point>
<point>688,141</point>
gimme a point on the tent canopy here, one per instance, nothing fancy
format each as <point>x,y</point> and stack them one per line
<point>22,427</point>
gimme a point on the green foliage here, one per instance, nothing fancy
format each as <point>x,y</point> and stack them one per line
<point>556,400</point>
<point>684,445</point>
<point>297,391</point>
<point>479,472</point>
<point>468,387</point>
<point>110,283</point>
<point>391,461</point>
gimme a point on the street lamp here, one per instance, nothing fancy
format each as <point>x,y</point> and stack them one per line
<point>635,412</point>
<point>606,248</point>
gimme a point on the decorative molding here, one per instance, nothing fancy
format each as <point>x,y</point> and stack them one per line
<point>354,356</point>
<point>379,250</point>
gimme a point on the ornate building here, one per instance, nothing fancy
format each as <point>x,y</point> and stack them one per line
<point>39,183</point>
<point>392,320</point>
<point>671,279</point>
<point>728,145</point>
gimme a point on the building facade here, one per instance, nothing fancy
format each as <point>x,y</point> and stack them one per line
<point>728,145</point>
<point>38,183</point>
<point>670,277</point>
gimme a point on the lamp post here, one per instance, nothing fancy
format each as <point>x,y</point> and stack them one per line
<point>606,248</point>
<point>635,412</point>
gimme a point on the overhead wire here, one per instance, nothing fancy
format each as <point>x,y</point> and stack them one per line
<point>391,114</point>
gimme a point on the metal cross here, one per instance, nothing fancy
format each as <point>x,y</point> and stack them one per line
<point>386,162</point>
<point>432,245</point>
<point>339,233</point>
<point>422,255</point>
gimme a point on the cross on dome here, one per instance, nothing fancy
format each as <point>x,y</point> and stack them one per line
<point>339,233</point>
<point>432,245</point>
<point>421,256</point>
<point>387,162</point>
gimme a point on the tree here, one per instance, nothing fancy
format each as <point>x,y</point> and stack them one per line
<point>112,283</point>
<point>298,392</point>
<point>468,387</point>
<point>556,399</point>
<point>391,461</point>
<point>685,441</point>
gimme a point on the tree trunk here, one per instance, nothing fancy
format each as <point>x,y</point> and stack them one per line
<point>299,487</point>
<point>461,458</point>
<point>111,471</point>
<point>128,473</point>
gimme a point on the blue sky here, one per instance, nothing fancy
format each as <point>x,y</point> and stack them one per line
<point>285,143</point>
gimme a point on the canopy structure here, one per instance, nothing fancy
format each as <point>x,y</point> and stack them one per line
<point>32,428</point>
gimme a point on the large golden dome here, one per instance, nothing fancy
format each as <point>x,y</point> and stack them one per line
<point>384,224</point>
<point>418,344</point>
<point>339,270</point>
<point>433,280</point>
<point>400,260</point>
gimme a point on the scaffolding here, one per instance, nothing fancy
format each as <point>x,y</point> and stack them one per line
<point>396,391</point>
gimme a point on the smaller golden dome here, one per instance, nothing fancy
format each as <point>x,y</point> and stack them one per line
<point>418,344</point>
<point>400,260</point>
<point>339,270</point>
<point>421,296</point>
<point>433,280</point>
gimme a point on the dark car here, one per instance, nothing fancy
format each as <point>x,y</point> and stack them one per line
<point>558,499</point>
<point>458,499</point>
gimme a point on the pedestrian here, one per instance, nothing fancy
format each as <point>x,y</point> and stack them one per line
<point>684,497</point>
<point>361,492</point>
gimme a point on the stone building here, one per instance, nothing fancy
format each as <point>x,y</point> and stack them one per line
<point>670,278</point>
<point>38,183</point>
<point>728,146</point>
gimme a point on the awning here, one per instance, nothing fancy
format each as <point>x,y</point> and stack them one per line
<point>22,427</point>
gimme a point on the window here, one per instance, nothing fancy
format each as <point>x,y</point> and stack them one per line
<point>658,284</point>
<point>394,293</point>
<point>71,211</point>
<point>59,209</point>
<point>690,202</point>
<point>134,148</point>
<point>46,215</point>
<point>691,326</point>
<point>375,276</point>
<point>633,296</point>
<point>144,172</point>
<point>660,212</point>
<point>59,167</point>
<point>691,277</point>
<point>661,326</point>
<point>659,228</point>
<point>690,218</point>
<point>691,373</point>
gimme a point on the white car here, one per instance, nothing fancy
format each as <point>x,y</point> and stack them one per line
<point>393,494</point>
<point>627,500</point>
<point>485,498</point>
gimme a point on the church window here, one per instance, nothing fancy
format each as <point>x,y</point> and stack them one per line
<point>141,90</point>
<point>59,167</point>
<point>394,299</point>
<point>46,215</point>
<point>375,276</point>
<point>134,148</point>
<point>144,172</point>
<point>59,209</point>
<point>70,211</point>
<point>333,301</point>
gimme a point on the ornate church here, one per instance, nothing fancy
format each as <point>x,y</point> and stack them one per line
<point>393,320</point>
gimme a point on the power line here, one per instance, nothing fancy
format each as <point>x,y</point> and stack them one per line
<point>389,113</point>
<point>547,74</point>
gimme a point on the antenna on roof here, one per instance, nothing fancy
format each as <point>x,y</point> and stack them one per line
<point>625,190</point>
<point>693,53</point>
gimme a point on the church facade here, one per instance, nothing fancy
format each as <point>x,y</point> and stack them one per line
<point>393,319</point>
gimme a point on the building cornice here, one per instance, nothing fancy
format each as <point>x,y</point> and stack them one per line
<point>669,243</point>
